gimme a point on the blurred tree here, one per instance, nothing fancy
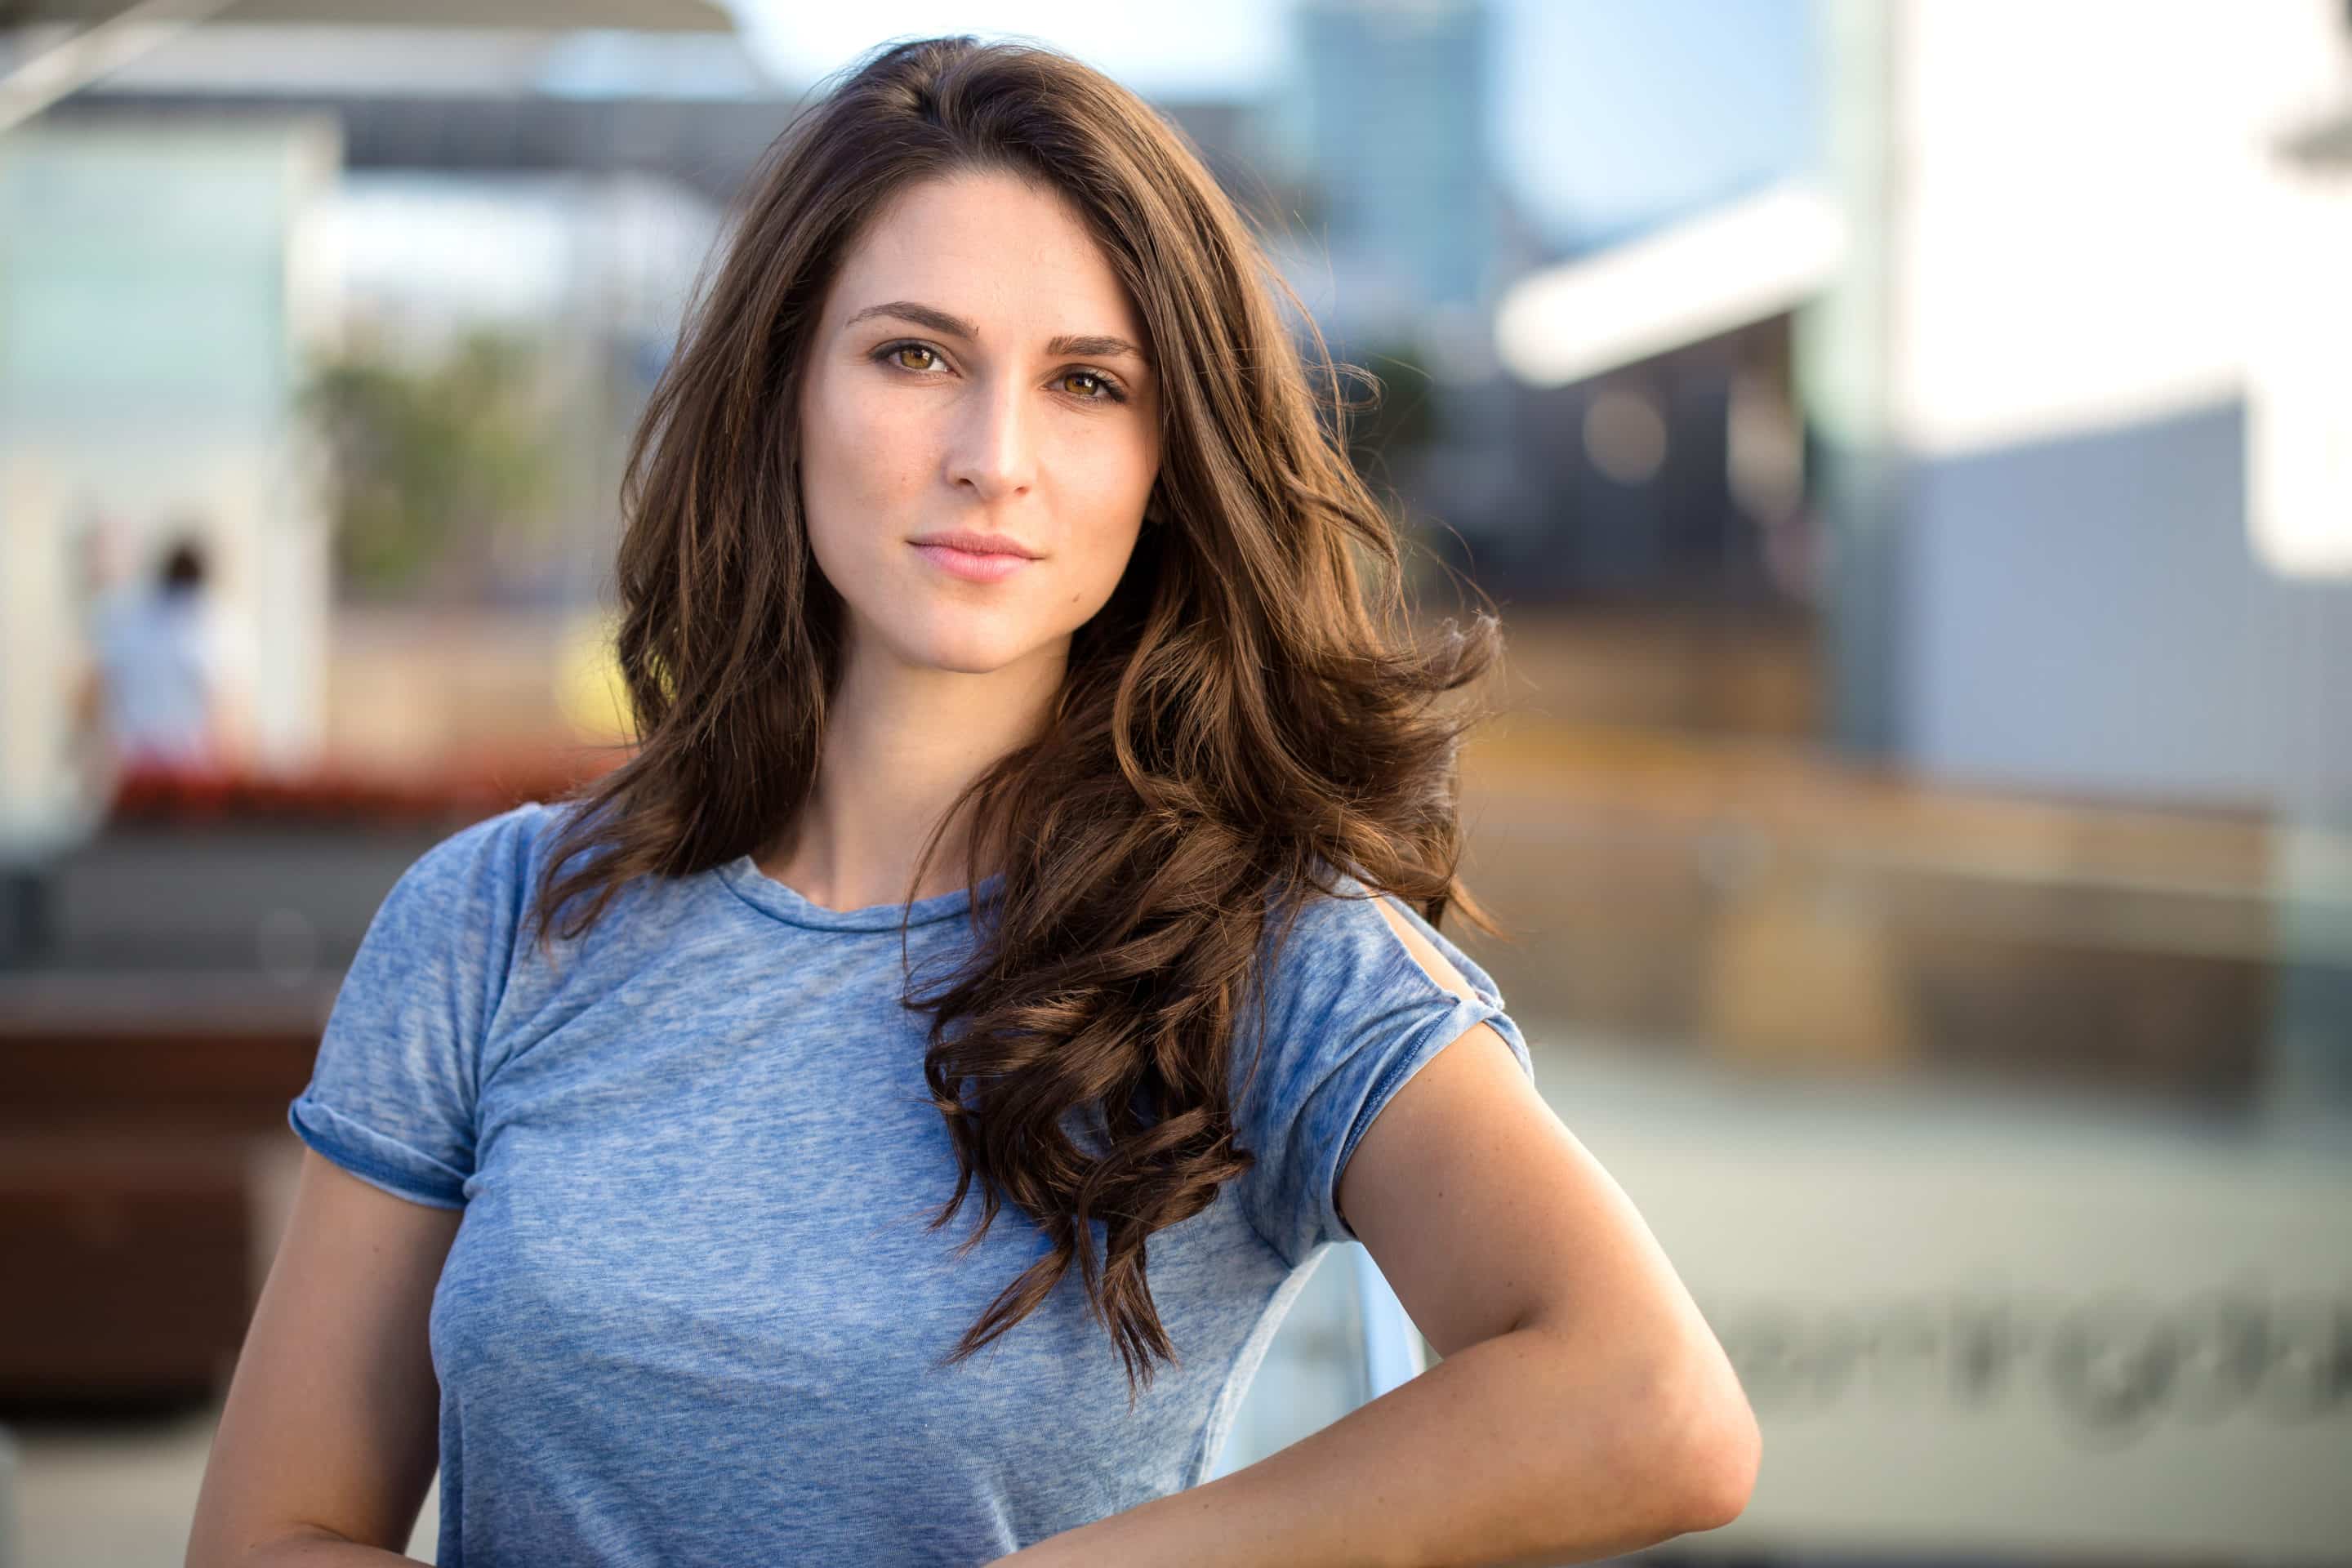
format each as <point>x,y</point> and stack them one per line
<point>432,464</point>
<point>1394,413</point>
<point>1393,417</point>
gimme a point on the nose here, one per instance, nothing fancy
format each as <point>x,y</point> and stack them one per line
<point>993,448</point>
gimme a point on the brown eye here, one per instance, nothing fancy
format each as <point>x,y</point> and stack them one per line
<point>1107,390</point>
<point>912,349</point>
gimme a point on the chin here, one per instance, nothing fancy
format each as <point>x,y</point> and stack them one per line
<point>975,653</point>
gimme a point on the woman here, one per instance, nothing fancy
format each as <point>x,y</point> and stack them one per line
<point>1020,749</point>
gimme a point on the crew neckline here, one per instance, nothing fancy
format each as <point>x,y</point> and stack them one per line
<point>763,892</point>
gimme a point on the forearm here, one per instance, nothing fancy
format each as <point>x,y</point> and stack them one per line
<point>315,1550</point>
<point>1512,1451</point>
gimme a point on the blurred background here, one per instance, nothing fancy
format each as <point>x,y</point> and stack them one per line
<point>1909,443</point>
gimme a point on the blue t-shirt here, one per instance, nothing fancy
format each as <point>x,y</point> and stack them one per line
<point>692,1312</point>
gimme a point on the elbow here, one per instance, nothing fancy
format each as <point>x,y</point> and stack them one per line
<point>294,1544</point>
<point>1720,1466</point>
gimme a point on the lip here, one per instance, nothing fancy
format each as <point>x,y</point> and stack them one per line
<point>972,542</point>
<point>972,565</point>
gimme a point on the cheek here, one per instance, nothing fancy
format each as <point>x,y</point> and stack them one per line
<point>837,488</point>
<point>1105,562</point>
<point>1110,474</point>
<point>859,445</point>
<point>1123,474</point>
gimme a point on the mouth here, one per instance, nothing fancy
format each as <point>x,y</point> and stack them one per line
<point>971,565</point>
<point>971,541</point>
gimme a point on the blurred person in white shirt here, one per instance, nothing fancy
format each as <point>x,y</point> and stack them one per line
<point>157,686</point>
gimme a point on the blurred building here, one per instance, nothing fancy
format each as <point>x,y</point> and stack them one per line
<point>236,206</point>
<point>1390,220</point>
<point>2067,383</point>
<point>2062,331</point>
<point>2081,384</point>
<point>2082,389</point>
<point>1659,396</point>
<point>565,186</point>
<point>1390,113</point>
<point>164,292</point>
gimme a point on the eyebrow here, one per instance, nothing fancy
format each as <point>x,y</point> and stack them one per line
<point>1099,345</point>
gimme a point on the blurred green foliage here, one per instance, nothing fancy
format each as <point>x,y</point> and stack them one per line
<point>1393,425</point>
<point>431,462</point>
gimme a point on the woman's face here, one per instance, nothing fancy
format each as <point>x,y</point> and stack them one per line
<point>977,368</point>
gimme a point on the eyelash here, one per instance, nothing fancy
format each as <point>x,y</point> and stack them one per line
<point>1112,391</point>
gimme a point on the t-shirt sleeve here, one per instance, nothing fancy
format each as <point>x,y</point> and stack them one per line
<point>393,1092</point>
<point>1350,1016</point>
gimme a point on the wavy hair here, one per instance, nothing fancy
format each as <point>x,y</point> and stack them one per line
<point>1245,716</point>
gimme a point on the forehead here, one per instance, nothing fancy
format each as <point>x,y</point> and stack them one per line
<point>987,246</point>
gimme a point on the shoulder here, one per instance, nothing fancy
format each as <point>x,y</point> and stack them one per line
<point>499,848</point>
<point>472,884</point>
<point>1356,996</point>
<point>447,933</point>
<point>1361,975</point>
<point>1351,938</point>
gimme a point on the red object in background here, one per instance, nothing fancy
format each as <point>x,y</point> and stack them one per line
<point>155,793</point>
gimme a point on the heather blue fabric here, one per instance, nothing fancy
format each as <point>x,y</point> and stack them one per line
<point>692,1311</point>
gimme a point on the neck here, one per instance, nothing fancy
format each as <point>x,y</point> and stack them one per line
<point>901,742</point>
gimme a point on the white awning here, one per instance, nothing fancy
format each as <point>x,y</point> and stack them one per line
<point>112,32</point>
<point>642,15</point>
<point>1693,280</point>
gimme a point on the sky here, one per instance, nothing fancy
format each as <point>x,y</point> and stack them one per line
<point>1607,115</point>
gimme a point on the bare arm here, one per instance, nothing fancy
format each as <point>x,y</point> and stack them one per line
<point>1584,1408</point>
<point>330,1436</point>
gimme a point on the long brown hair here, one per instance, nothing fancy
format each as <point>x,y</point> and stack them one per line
<point>1245,716</point>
